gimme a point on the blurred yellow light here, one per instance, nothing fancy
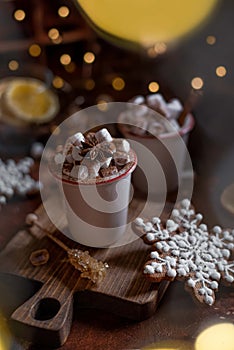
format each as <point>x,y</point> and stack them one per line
<point>19,15</point>
<point>89,57</point>
<point>63,11</point>
<point>153,86</point>
<point>197,83</point>
<point>151,52</point>
<point>13,65</point>
<point>58,82</point>
<point>211,40</point>
<point>102,105</point>
<point>221,71</point>
<point>160,47</point>
<point>71,67</point>
<point>53,34</point>
<point>58,40</point>
<point>217,337</point>
<point>34,50</point>
<point>105,98</point>
<point>89,84</point>
<point>65,59</point>
<point>118,83</point>
<point>5,336</point>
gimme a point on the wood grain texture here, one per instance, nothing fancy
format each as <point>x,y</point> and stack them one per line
<point>46,317</point>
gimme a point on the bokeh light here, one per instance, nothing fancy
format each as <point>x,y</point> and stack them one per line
<point>102,105</point>
<point>221,71</point>
<point>151,52</point>
<point>13,65</point>
<point>118,83</point>
<point>153,86</point>
<point>19,15</point>
<point>34,50</point>
<point>65,59</point>
<point>197,83</point>
<point>216,337</point>
<point>63,11</point>
<point>58,82</point>
<point>160,48</point>
<point>53,34</point>
<point>89,84</point>
<point>71,67</point>
<point>211,39</point>
<point>89,57</point>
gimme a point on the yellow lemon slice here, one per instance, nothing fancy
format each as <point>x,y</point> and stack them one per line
<point>31,100</point>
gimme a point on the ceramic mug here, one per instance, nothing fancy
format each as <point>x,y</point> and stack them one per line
<point>97,211</point>
<point>160,158</point>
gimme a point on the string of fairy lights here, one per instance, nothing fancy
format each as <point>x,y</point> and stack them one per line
<point>118,83</point>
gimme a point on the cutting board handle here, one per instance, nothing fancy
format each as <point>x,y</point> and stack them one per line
<point>46,317</point>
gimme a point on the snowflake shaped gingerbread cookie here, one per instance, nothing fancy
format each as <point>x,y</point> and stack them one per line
<point>184,249</point>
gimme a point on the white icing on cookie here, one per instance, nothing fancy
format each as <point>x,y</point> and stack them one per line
<point>195,255</point>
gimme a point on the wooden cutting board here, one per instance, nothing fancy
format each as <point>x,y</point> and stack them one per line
<point>46,317</point>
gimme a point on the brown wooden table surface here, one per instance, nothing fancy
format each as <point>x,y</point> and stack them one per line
<point>212,151</point>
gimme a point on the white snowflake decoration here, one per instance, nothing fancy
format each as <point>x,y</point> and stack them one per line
<point>186,250</point>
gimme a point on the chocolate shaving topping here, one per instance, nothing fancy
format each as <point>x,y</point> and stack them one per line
<point>112,170</point>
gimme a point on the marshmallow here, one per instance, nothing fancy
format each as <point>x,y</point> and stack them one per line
<point>140,127</point>
<point>103,135</point>
<point>108,146</point>
<point>138,99</point>
<point>174,125</point>
<point>93,167</point>
<point>76,139</point>
<point>156,128</point>
<point>76,153</point>
<point>74,172</point>
<point>79,172</point>
<point>157,102</point>
<point>59,149</point>
<point>69,158</point>
<point>67,148</point>
<point>154,100</point>
<point>174,108</point>
<point>141,111</point>
<point>106,163</point>
<point>122,145</point>
<point>59,158</point>
<point>82,172</point>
